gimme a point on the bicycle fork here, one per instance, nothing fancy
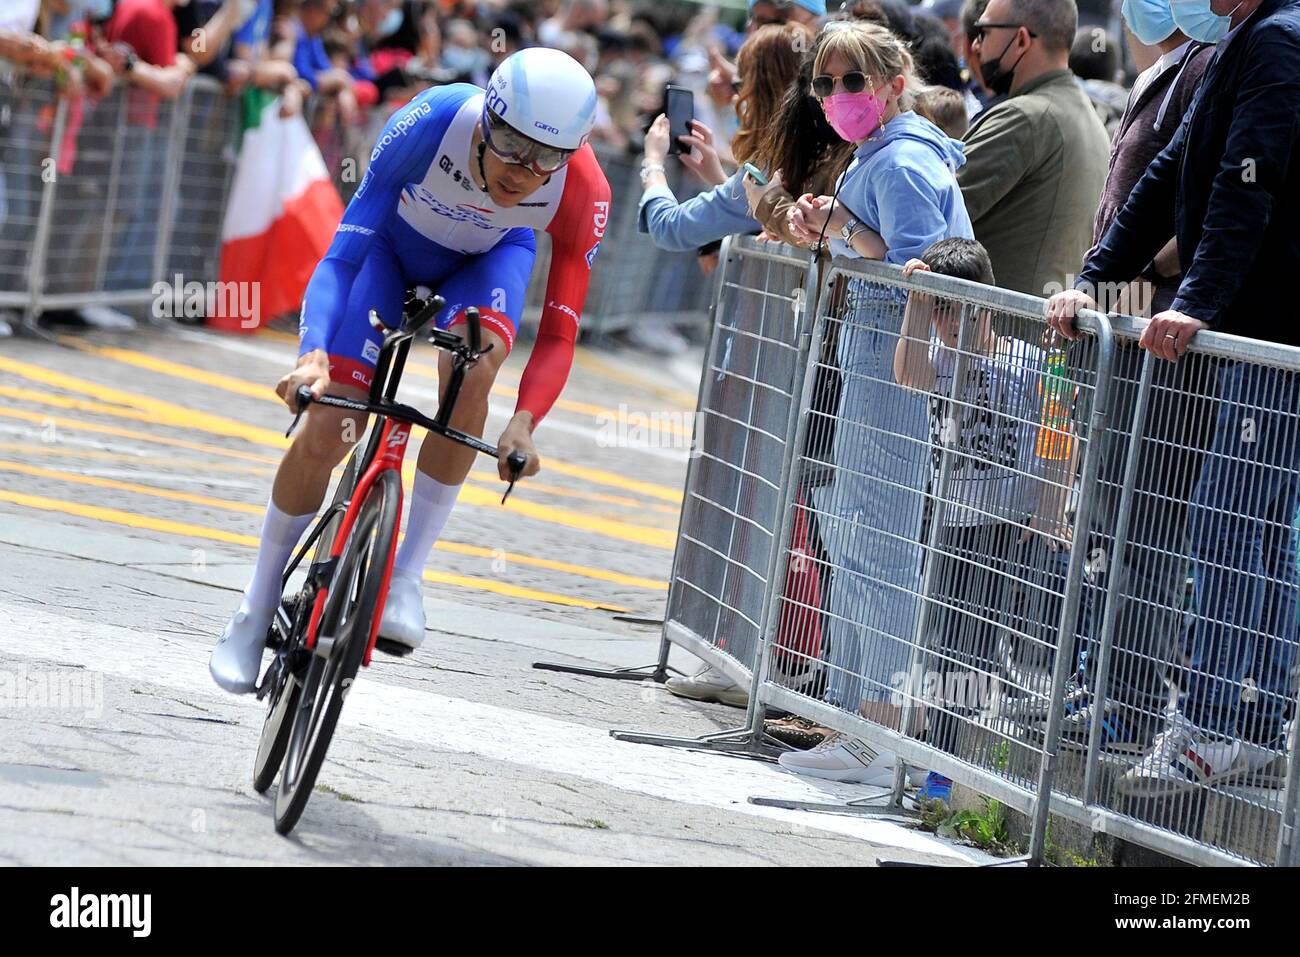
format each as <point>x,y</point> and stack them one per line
<point>391,452</point>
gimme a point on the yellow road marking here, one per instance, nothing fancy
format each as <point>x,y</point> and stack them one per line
<point>97,481</point>
<point>536,486</point>
<point>217,380</point>
<point>166,413</point>
<point>44,449</point>
<point>76,425</point>
<point>602,477</point>
<point>184,529</point>
<point>585,359</point>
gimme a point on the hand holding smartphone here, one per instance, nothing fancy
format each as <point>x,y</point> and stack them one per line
<point>679,105</point>
<point>756,174</point>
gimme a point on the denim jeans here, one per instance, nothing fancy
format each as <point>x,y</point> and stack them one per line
<point>1242,641</point>
<point>139,204</point>
<point>872,511</point>
<point>1148,601</point>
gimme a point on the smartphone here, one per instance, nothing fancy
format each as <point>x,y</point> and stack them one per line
<point>679,105</point>
<point>756,173</point>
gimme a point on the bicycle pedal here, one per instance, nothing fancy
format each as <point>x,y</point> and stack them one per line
<point>390,647</point>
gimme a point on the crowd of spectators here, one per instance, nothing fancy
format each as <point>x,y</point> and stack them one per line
<point>1012,152</point>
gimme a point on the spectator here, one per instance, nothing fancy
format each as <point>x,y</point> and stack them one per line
<point>936,64</point>
<point>804,153</point>
<point>999,493</point>
<point>1236,237</point>
<point>156,71</point>
<point>979,96</point>
<point>897,197</point>
<point>576,15</point>
<point>1036,162</point>
<point>463,53</point>
<point>945,108</point>
<point>769,67</point>
<point>314,64</point>
<point>1095,62</point>
<point>722,210</point>
<point>948,12</point>
<point>1147,610</point>
<point>764,12</point>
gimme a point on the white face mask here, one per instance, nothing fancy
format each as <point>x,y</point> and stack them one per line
<point>391,23</point>
<point>1198,21</point>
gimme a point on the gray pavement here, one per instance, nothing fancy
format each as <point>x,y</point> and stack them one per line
<point>133,470</point>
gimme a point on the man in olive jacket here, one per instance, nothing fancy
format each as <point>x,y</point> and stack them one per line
<point>1035,162</point>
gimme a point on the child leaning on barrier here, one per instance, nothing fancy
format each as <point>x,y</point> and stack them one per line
<point>997,494</point>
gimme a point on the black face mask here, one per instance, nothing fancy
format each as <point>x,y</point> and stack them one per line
<point>997,79</point>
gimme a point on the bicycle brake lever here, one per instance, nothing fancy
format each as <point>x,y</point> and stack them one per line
<point>304,397</point>
<point>516,461</point>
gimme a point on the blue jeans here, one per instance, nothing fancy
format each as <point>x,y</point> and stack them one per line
<point>139,206</point>
<point>1240,528</point>
<point>872,511</point>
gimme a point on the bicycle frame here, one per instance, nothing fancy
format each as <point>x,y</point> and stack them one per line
<point>385,450</point>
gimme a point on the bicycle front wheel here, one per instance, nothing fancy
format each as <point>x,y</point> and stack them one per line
<point>341,640</point>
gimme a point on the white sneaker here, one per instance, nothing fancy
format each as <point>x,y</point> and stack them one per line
<point>1183,758</point>
<point>845,759</point>
<point>237,659</point>
<point>102,317</point>
<point>403,620</point>
<point>709,685</point>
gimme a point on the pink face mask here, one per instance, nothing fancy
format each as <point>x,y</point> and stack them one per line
<point>854,115</point>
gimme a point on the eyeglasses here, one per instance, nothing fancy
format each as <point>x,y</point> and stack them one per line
<point>514,147</point>
<point>824,85</point>
<point>978,29</point>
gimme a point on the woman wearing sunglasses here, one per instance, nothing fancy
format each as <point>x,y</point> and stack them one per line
<point>897,196</point>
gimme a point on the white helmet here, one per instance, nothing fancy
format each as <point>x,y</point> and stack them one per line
<point>544,94</point>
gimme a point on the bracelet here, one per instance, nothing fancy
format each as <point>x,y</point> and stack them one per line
<point>648,168</point>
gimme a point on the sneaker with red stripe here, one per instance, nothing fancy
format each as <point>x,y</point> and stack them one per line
<point>1183,757</point>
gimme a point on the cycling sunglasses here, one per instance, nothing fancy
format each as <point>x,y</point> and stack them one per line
<point>514,147</point>
<point>824,85</point>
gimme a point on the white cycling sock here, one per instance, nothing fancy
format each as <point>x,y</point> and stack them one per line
<point>280,533</point>
<point>431,505</point>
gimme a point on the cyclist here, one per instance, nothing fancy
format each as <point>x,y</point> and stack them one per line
<point>458,181</point>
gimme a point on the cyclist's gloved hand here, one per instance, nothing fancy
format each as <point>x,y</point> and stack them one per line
<point>313,371</point>
<point>518,437</point>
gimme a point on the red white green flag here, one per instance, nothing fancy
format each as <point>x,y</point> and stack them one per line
<point>281,215</point>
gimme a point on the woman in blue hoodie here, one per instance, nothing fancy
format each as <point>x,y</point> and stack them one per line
<point>897,196</point>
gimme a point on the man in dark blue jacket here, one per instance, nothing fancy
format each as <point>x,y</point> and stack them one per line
<point>1229,183</point>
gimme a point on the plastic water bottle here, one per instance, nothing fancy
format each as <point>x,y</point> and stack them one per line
<point>1055,440</point>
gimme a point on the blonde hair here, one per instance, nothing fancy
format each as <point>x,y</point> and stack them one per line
<point>872,49</point>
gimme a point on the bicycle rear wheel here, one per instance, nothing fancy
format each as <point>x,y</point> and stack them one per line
<point>341,640</point>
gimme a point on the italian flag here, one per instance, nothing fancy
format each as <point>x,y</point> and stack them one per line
<point>281,217</point>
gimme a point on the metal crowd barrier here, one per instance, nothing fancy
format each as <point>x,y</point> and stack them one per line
<point>958,568</point>
<point>106,198</point>
<point>732,510</point>
<point>1196,604</point>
